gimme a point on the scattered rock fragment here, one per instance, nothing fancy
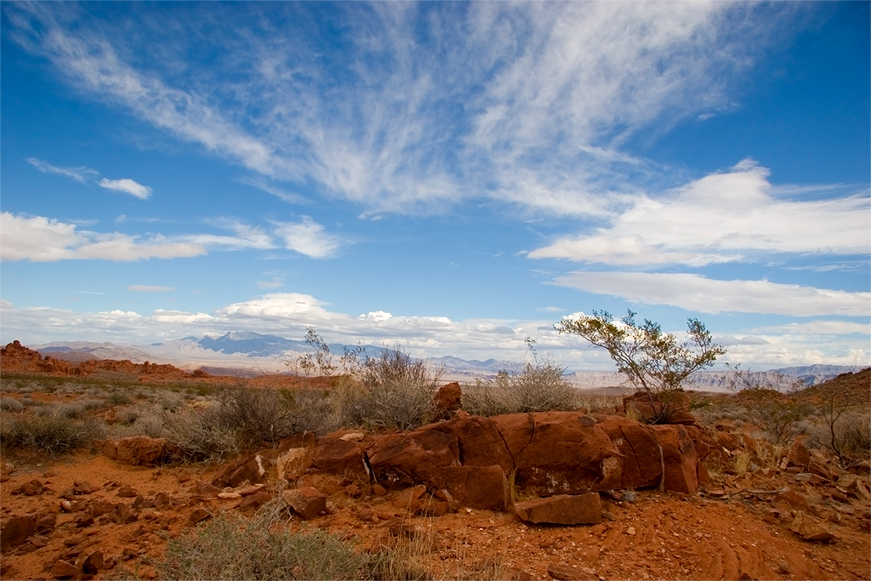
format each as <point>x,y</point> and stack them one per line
<point>16,530</point>
<point>566,509</point>
<point>65,570</point>
<point>306,501</point>
<point>199,514</point>
<point>563,572</point>
<point>809,528</point>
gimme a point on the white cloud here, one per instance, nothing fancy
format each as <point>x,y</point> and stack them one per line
<point>41,239</point>
<point>698,293</point>
<point>80,174</point>
<point>150,288</point>
<point>278,306</point>
<point>723,217</point>
<point>289,315</point>
<point>307,237</point>
<point>245,236</point>
<point>818,328</point>
<point>127,186</point>
<point>523,103</point>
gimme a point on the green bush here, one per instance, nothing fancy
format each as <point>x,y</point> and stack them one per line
<point>539,387</point>
<point>52,434</point>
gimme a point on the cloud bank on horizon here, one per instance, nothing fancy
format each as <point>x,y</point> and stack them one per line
<point>480,169</point>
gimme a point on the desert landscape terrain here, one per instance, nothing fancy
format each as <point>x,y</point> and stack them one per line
<point>585,493</point>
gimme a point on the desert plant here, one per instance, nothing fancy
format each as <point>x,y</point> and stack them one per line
<point>394,391</point>
<point>231,547</point>
<point>10,404</point>
<point>847,434</point>
<point>196,436</point>
<point>317,362</point>
<point>654,362</point>
<point>539,387</point>
<point>257,415</point>
<point>51,434</point>
<point>312,410</point>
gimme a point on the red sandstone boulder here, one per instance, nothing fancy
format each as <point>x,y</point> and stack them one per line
<point>448,398</point>
<point>479,487</point>
<point>564,509</point>
<point>479,442</point>
<point>798,454</point>
<point>16,530</point>
<point>662,456</point>
<point>338,456</point>
<point>409,458</point>
<point>557,452</point>
<point>135,450</point>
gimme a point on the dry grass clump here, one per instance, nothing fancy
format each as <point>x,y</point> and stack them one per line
<point>849,437</point>
<point>539,387</point>
<point>232,547</point>
<point>48,433</point>
<point>394,391</point>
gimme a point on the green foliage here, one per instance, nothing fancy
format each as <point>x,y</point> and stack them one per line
<point>653,361</point>
<point>539,387</point>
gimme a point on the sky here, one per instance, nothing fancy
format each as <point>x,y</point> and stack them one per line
<point>451,178</point>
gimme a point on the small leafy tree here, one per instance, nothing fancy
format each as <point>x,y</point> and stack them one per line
<point>654,362</point>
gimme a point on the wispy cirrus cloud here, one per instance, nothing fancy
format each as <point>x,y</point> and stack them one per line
<point>150,288</point>
<point>527,104</point>
<point>80,173</point>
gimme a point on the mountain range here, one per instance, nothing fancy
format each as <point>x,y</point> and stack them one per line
<point>255,353</point>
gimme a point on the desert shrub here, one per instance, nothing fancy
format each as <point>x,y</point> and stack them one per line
<point>257,415</point>
<point>78,408</point>
<point>52,434</point>
<point>600,403</point>
<point>230,547</point>
<point>653,361</point>
<point>539,387</point>
<point>849,437</point>
<point>395,391</point>
<point>195,435</point>
<point>312,410</point>
<point>117,398</point>
<point>777,414</point>
<point>10,404</point>
<point>28,401</point>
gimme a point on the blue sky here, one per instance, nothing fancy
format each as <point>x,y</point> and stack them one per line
<point>450,177</point>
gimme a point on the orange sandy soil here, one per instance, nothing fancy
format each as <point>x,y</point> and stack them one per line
<point>659,536</point>
<point>733,534</point>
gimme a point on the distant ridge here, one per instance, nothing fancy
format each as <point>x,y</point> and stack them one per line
<point>250,353</point>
